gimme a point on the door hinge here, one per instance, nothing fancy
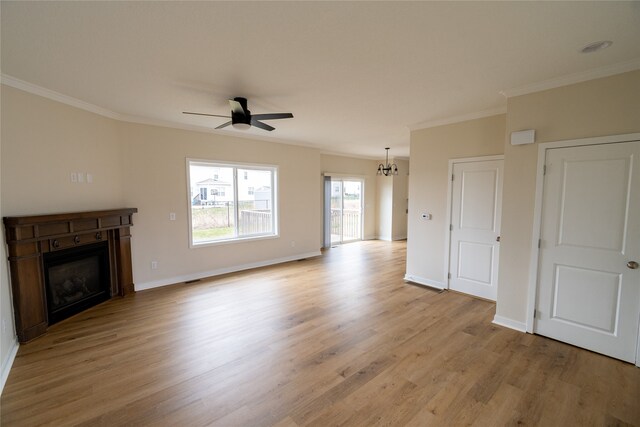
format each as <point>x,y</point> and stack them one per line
<point>539,243</point>
<point>450,227</point>
<point>544,170</point>
<point>449,275</point>
<point>535,313</point>
<point>452,177</point>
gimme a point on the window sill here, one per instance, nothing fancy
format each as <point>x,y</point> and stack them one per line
<point>208,243</point>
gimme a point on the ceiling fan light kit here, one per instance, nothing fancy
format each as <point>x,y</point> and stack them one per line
<point>387,169</point>
<point>241,117</point>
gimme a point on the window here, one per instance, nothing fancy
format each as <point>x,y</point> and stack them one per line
<point>229,214</point>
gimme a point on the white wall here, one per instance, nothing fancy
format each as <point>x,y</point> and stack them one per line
<point>431,150</point>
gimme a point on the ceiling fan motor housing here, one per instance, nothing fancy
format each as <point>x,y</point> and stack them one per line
<point>241,119</point>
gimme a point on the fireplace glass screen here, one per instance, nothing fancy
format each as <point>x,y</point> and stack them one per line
<point>76,279</point>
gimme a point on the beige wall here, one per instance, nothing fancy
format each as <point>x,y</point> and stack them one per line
<point>384,207</point>
<point>7,335</point>
<point>392,202</point>
<point>431,150</point>
<point>155,168</point>
<point>400,196</point>
<point>601,107</point>
<point>142,166</point>
<point>42,143</point>
<point>362,169</point>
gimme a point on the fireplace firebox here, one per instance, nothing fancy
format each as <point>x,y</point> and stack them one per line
<point>76,279</point>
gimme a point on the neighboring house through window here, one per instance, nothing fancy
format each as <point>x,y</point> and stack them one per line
<point>224,208</point>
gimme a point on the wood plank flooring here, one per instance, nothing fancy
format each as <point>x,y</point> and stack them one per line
<point>335,340</point>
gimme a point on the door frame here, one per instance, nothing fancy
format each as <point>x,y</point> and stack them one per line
<point>537,215</point>
<point>347,177</point>
<point>447,241</point>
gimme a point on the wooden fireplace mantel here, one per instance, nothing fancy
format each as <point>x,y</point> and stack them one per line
<point>30,237</point>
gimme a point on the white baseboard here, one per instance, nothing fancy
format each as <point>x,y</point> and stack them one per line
<point>424,282</point>
<point>510,323</point>
<point>8,363</point>
<point>400,237</point>
<point>219,271</point>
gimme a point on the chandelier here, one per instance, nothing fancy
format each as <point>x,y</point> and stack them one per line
<point>387,169</point>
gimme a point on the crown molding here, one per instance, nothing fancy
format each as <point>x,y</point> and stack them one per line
<point>596,73</point>
<point>348,155</point>
<point>204,129</point>
<point>458,119</point>
<point>74,102</point>
<point>57,96</point>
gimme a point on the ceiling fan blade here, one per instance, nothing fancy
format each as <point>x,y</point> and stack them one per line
<point>237,108</point>
<point>272,116</point>
<point>261,125</point>
<point>224,125</point>
<point>203,114</point>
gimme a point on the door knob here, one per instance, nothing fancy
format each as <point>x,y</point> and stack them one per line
<point>498,239</point>
<point>632,265</point>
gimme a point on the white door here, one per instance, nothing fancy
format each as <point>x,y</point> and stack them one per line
<point>588,291</point>
<point>476,205</point>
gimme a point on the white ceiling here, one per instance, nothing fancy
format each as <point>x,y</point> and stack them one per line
<point>356,75</point>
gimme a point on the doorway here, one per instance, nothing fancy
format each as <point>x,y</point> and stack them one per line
<point>345,210</point>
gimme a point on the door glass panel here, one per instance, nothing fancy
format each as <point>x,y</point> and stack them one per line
<point>346,211</point>
<point>336,212</point>
<point>351,212</point>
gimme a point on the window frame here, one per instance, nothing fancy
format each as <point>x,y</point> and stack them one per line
<point>235,165</point>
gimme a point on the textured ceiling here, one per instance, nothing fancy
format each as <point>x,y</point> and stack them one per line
<point>356,75</point>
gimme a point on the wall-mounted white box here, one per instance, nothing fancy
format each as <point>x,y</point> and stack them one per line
<point>523,137</point>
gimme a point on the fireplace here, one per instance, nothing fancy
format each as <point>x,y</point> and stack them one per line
<point>62,264</point>
<point>76,279</point>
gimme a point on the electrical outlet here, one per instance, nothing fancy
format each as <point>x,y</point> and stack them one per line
<point>154,265</point>
<point>293,243</point>
<point>172,216</point>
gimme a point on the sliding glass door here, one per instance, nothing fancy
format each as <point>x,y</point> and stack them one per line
<point>346,210</point>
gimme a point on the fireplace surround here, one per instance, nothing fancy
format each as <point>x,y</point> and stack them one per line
<point>62,264</point>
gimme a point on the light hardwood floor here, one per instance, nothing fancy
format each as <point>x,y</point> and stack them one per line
<point>335,340</point>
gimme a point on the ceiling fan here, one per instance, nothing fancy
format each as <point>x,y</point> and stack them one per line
<point>241,117</point>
